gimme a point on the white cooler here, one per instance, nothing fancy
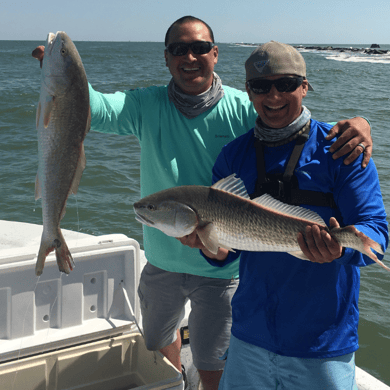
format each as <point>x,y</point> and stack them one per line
<point>76,331</point>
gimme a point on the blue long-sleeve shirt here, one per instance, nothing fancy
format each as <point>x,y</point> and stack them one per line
<point>294,307</point>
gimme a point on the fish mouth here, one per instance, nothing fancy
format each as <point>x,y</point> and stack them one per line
<point>142,219</point>
<point>49,42</point>
<point>51,38</point>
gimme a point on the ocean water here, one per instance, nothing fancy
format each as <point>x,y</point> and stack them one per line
<point>346,84</point>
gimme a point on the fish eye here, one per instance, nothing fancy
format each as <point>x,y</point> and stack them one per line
<point>63,51</point>
<point>150,207</point>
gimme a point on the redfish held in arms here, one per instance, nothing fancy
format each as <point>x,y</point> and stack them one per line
<point>224,216</point>
<point>63,120</point>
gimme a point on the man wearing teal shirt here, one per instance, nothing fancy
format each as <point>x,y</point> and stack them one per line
<point>182,128</point>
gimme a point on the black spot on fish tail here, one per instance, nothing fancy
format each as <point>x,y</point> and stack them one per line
<point>57,243</point>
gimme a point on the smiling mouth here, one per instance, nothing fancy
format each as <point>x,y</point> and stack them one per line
<point>190,69</point>
<point>278,108</point>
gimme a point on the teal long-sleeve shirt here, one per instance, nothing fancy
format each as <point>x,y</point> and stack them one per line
<point>175,151</point>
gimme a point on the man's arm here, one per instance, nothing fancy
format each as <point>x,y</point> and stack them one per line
<point>357,194</point>
<point>110,113</point>
<point>353,132</point>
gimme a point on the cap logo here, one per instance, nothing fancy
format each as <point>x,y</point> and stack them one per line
<point>260,65</point>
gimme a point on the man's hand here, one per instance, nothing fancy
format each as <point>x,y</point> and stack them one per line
<point>353,132</point>
<point>38,53</point>
<point>318,245</point>
<point>193,241</point>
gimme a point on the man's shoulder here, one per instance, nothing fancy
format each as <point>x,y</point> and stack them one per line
<point>237,100</point>
<point>230,91</point>
<point>321,129</point>
<point>322,124</point>
<point>240,143</point>
<point>152,90</point>
<point>148,97</point>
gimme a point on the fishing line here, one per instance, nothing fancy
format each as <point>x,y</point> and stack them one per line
<point>52,305</point>
<point>78,222</point>
<point>77,214</point>
<point>49,319</point>
<point>23,324</point>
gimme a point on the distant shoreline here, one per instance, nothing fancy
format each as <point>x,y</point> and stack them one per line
<point>371,50</point>
<point>374,49</point>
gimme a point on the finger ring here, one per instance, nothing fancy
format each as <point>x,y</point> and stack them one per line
<point>364,148</point>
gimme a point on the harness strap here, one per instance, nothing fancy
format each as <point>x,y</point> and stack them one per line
<point>296,153</point>
<point>286,189</point>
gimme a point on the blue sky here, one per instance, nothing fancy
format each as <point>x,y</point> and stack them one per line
<point>255,21</point>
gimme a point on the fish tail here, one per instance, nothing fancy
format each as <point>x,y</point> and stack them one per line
<point>360,242</point>
<point>64,258</point>
<point>44,250</point>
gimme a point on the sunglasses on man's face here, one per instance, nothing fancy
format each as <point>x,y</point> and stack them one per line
<point>181,48</point>
<point>284,84</point>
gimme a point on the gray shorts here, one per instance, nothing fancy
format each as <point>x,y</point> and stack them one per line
<point>163,296</point>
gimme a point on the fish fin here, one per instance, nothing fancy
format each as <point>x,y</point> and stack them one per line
<point>38,190</point>
<point>38,113</point>
<point>79,171</point>
<point>382,265</point>
<point>227,247</point>
<point>299,255</point>
<point>48,107</point>
<point>294,211</point>
<point>209,237</point>
<point>232,184</point>
<point>63,211</point>
<point>64,258</point>
<point>88,126</point>
<point>363,243</point>
<point>44,250</point>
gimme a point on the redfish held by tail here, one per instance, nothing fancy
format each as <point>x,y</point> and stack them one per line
<point>63,120</point>
<point>224,216</point>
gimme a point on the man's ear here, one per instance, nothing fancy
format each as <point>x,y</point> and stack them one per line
<point>305,88</point>
<point>248,91</point>
<point>215,48</point>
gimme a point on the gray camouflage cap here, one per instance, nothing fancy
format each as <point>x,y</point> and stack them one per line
<point>273,58</point>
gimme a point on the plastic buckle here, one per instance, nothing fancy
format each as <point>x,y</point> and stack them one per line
<point>281,190</point>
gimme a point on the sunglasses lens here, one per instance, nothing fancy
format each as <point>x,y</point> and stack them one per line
<point>178,49</point>
<point>181,48</point>
<point>260,86</point>
<point>285,84</point>
<point>201,47</point>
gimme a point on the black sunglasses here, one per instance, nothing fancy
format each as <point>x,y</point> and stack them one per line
<point>284,84</point>
<point>181,48</point>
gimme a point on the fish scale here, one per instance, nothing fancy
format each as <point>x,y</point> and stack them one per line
<point>253,228</point>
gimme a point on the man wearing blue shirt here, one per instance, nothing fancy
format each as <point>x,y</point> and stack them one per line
<point>295,322</point>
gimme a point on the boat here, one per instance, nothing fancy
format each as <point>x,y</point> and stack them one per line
<point>83,330</point>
